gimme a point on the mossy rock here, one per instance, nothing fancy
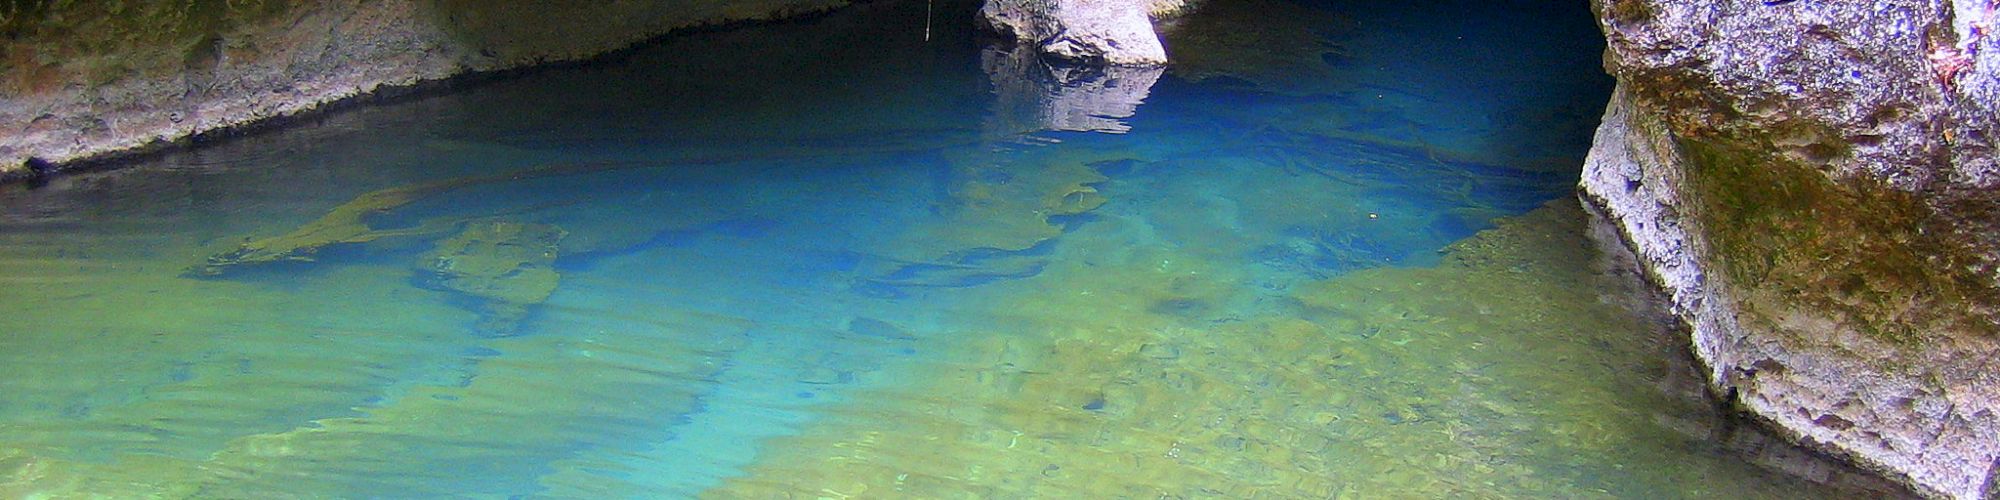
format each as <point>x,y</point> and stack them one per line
<point>112,39</point>
<point>1866,254</point>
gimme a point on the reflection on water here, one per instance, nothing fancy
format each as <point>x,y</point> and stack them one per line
<point>1033,95</point>
<point>866,265</point>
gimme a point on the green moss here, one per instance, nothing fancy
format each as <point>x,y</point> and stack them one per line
<point>1868,255</point>
<point>121,29</point>
<point>140,17</point>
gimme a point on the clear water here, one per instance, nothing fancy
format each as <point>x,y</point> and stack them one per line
<point>830,259</point>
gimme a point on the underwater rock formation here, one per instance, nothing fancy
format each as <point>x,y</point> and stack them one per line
<point>508,265</point>
<point>1813,184</point>
<point>1084,31</point>
<point>86,79</point>
<point>347,224</point>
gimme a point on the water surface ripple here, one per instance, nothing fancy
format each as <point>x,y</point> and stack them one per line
<point>1332,253</point>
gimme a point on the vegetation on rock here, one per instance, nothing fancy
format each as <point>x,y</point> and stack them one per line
<point>1873,256</point>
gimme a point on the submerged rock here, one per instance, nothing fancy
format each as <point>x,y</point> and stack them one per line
<point>1085,31</point>
<point>348,223</point>
<point>1813,183</point>
<point>1501,371</point>
<point>507,265</point>
<point>1002,217</point>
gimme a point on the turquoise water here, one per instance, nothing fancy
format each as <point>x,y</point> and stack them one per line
<point>1332,253</point>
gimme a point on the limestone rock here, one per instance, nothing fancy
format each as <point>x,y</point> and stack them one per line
<point>86,79</point>
<point>1103,32</point>
<point>1813,184</point>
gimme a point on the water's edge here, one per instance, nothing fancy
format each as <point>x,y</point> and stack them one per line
<point>158,118</point>
<point>1745,433</point>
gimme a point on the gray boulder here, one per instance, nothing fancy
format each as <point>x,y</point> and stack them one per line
<point>1101,32</point>
<point>1813,183</point>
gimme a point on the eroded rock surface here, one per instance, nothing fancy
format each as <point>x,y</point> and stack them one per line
<point>83,79</point>
<point>1813,183</point>
<point>1114,32</point>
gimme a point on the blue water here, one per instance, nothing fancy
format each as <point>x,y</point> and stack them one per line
<point>829,258</point>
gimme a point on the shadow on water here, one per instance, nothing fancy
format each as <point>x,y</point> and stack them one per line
<point>1331,252</point>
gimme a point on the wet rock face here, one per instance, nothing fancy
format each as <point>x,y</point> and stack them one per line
<point>1105,32</point>
<point>83,79</point>
<point>1814,184</point>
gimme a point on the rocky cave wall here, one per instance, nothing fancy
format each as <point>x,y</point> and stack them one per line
<point>83,80</point>
<point>1813,184</point>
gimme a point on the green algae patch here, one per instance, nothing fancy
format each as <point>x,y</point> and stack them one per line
<point>1277,46</point>
<point>1873,257</point>
<point>348,223</point>
<point>990,214</point>
<point>120,360</point>
<point>508,265</point>
<point>361,382</point>
<point>1007,207</point>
